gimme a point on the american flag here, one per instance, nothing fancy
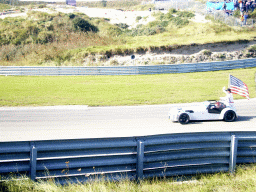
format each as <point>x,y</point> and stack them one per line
<point>238,87</point>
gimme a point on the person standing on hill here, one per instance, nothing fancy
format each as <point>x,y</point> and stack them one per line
<point>224,6</point>
<point>253,5</point>
<point>245,18</point>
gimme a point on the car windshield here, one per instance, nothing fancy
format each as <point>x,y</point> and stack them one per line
<point>216,104</point>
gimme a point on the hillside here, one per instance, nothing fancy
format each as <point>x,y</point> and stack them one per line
<point>75,36</point>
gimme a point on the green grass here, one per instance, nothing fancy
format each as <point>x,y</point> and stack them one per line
<point>119,90</point>
<point>243,180</point>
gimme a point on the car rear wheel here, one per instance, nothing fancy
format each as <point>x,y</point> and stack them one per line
<point>229,116</point>
<point>183,118</point>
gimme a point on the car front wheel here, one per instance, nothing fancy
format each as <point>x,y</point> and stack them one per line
<point>183,118</point>
<point>229,116</point>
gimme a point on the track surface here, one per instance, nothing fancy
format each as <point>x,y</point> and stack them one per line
<point>74,122</point>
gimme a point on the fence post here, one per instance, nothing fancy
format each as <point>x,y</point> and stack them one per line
<point>233,154</point>
<point>140,158</point>
<point>33,157</point>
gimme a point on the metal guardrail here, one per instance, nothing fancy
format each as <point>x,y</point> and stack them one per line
<point>129,158</point>
<point>126,70</point>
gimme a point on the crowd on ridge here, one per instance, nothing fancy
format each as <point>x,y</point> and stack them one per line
<point>244,6</point>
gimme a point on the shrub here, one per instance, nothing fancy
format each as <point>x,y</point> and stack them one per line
<point>152,24</point>
<point>185,14</point>
<point>122,25</point>
<point>32,29</point>
<point>42,6</point>
<point>148,31</point>
<point>19,36</point>
<point>45,36</point>
<point>252,48</point>
<point>138,18</point>
<point>158,15</point>
<point>220,27</point>
<point>168,16</point>
<point>253,14</point>
<point>171,11</point>
<point>179,22</point>
<point>83,25</point>
<point>207,52</point>
<point>40,15</point>
<point>71,16</point>
<point>236,13</point>
<point>145,7</point>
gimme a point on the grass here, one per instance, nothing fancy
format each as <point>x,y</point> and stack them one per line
<point>119,90</point>
<point>124,4</point>
<point>4,7</point>
<point>243,180</point>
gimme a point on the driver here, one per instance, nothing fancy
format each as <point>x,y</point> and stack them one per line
<point>217,105</point>
<point>228,100</point>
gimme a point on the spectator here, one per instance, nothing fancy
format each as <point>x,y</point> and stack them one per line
<point>236,4</point>
<point>224,6</point>
<point>241,6</point>
<point>247,6</point>
<point>253,6</point>
<point>245,18</point>
<point>242,19</point>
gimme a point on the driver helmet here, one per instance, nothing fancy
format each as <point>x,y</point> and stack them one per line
<point>228,89</point>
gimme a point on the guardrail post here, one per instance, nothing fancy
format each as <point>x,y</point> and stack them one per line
<point>140,158</point>
<point>33,157</point>
<point>233,154</point>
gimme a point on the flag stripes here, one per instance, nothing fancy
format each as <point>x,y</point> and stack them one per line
<point>238,87</point>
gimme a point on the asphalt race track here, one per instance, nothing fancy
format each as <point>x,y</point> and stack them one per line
<point>75,122</point>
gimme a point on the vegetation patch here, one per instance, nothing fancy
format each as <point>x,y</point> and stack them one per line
<point>4,7</point>
<point>242,180</point>
<point>68,39</point>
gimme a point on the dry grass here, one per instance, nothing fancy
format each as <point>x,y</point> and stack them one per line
<point>243,180</point>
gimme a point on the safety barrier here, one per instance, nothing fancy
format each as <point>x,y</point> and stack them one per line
<point>127,70</point>
<point>130,158</point>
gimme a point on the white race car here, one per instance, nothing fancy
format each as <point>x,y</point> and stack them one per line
<point>208,110</point>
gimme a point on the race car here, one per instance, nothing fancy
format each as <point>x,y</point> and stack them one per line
<point>208,110</point>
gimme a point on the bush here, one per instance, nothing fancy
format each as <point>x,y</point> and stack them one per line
<point>45,37</point>
<point>207,52</point>
<point>171,11</point>
<point>252,48</point>
<point>83,25</point>
<point>179,22</point>
<point>138,18</point>
<point>122,25</point>
<point>236,13</point>
<point>153,24</point>
<point>71,16</point>
<point>185,14</point>
<point>253,14</point>
<point>42,6</point>
<point>19,36</point>
<point>158,15</point>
